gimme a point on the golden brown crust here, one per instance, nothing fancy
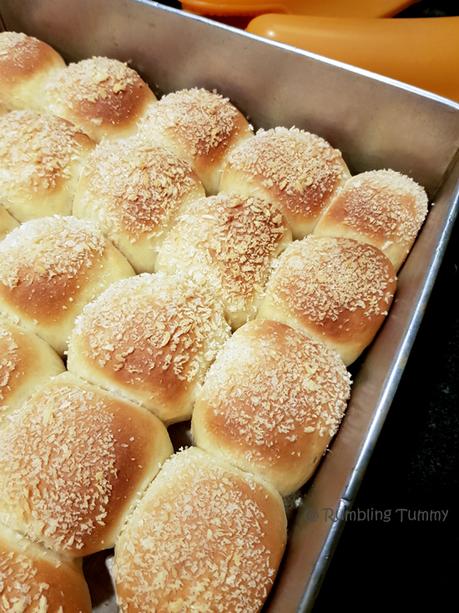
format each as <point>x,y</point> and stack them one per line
<point>50,268</point>
<point>298,171</point>
<point>34,579</point>
<point>7,222</point>
<point>271,403</point>
<point>337,290</point>
<point>103,96</point>
<point>26,362</point>
<point>200,126</point>
<point>150,338</point>
<point>205,537</point>
<point>135,191</point>
<point>231,242</point>
<point>25,65</point>
<point>73,461</point>
<point>380,207</point>
<point>41,158</point>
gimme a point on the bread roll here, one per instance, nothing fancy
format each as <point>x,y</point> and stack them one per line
<point>271,403</point>
<point>41,160</point>
<point>380,207</point>
<point>50,268</point>
<point>34,579</point>
<point>73,462</point>
<point>198,126</point>
<point>102,96</point>
<point>336,290</point>
<point>26,362</point>
<point>150,338</point>
<point>298,171</point>
<point>135,191</point>
<point>7,222</point>
<point>230,242</point>
<point>205,537</point>
<point>26,65</point>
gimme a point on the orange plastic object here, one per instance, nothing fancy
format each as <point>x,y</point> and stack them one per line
<point>422,52</point>
<point>324,8</point>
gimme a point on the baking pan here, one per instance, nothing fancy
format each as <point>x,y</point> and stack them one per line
<point>375,121</point>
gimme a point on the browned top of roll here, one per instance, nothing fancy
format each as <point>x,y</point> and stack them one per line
<point>36,152</point>
<point>383,204</point>
<point>300,169</point>
<point>44,263</point>
<point>135,188</point>
<point>204,122</point>
<point>205,537</point>
<point>36,579</point>
<point>99,93</point>
<point>22,56</point>
<point>338,285</point>
<point>70,459</point>
<point>269,390</point>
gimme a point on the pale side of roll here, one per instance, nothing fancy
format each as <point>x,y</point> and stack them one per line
<point>41,159</point>
<point>135,191</point>
<point>34,579</point>
<point>230,242</point>
<point>205,537</point>
<point>74,461</point>
<point>26,363</point>
<point>199,126</point>
<point>336,290</point>
<point>7,222</point>
<point>298,171</point>
<point>50,268</point>
<point>26,65</point>
<point>383,208</point>
<point>271,403</point>
<point>102,96</point>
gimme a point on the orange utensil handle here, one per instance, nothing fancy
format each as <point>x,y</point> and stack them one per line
<point>422,52</point>
<point>332,8</point>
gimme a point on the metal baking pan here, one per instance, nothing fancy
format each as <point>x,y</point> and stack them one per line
<point>375,121</point>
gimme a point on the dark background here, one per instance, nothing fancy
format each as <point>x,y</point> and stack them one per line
<point>411,564</point>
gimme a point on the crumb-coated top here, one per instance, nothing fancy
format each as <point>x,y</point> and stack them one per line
<point>205,537</point>
<point>231,241</point>
<point>37,154</point>
<point>384,207</point>
<point>71,461</point>
<point>150,337</point>
<point>100,94</point>
<point>268,391</point>
<point>22,56</point>
<point>134,188</point>
<point>299,170</point>
<point>336,285</point>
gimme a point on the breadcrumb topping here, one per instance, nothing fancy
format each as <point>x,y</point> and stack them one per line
<point>19,590</point>
<point>8,360</point>
<point>18,50</point>
<point>198,542</point>
<point>57,464</point>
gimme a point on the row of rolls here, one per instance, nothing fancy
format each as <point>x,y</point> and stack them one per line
<point>183,266</point>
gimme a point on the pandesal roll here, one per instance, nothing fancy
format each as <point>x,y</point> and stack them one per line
<point>34,579</point>
<point>150,339</point>
<point>298,171</point>
<point>7,222</point>
<point>26,65</point>
<point>205,537</point>
<point>336,290</point>
<point>383,208</point>
<point>230,242</point>
<point>41,159</point>
<point>134,191</point>
<point>102,96</point>
<point>199,126</point>
<point>73,462</point>
<point>50,268</point>
<point>26,363</point>
<point>271,403</point>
